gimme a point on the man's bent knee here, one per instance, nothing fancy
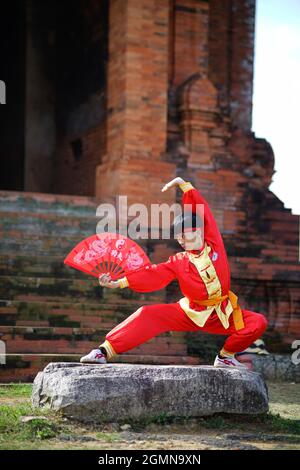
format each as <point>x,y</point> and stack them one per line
<point>262,323</point>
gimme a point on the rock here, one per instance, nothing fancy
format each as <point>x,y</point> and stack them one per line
<point>263,437</point>
<point>125,427</point>
<point>28,419</point>
<point>73,438</point>
<point>117,392</point>
<point>128,436</point>
<point>112,427</point>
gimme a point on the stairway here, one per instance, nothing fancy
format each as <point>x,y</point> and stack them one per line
<point>50,312</point>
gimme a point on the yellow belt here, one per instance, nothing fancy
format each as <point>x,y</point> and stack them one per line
<point>237,312</point>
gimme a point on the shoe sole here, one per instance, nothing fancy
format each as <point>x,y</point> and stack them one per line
<point>91,362</point>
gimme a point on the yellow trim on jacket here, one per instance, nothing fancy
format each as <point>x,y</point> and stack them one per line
<point>207,272</point>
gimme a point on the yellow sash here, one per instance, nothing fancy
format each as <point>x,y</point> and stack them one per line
<point>237,312</point>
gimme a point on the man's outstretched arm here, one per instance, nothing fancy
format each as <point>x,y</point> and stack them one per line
<point>146,279</point>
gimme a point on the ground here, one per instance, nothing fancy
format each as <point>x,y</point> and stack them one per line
<point>279,429</point>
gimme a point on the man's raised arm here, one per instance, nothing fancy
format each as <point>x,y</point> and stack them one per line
<point>193,197</point>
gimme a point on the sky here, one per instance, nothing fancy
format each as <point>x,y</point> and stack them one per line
<point>276,98</point>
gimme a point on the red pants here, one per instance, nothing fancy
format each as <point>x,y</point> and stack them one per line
<point>152,320</point>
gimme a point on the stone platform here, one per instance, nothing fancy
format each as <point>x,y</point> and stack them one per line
<point>116,392</point>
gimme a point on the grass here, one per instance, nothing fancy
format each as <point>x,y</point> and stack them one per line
<point>285,400</point>
<point>11,427</point>
<point>108,437</point>
<point>277,423</point>
<point>44,430</point>
<point>265,423</point>
<point>15,391</point>
<point>261,423</point>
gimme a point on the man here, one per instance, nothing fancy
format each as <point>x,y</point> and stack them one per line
<point>208,305</point>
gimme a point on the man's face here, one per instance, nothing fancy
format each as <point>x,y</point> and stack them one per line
<point>191,240</point>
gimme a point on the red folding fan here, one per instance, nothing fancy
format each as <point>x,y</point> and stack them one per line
<point>107,253</point>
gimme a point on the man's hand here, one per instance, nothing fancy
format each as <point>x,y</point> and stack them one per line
<point>174,182</point>
<point>105,281</point>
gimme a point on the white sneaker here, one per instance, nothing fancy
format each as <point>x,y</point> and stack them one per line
<point>94,357</point>
<point>229,362</point>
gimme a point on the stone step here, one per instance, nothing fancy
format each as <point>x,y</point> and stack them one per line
<point>58,320</point>
<point>83,347</point>
<point>58,204</point>
<point>21,313</point>
<point>12,287</point>
<point>47,224</point>
<point>39,224</point>
<point>36,266</point>
<point>25,367</point>
<point>12,264</point>
<point>64,307</point>
<point>51,241</point>
<point>40,332</point>
<point>53,314</point>
<point>20,340</point>
<point>17,243</point>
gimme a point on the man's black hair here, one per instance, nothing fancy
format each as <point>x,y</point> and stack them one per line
<point>187,220</point>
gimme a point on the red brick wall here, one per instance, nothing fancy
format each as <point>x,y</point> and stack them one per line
<point>137,103</point>
<point>77,175</point>
<point>231,48</point>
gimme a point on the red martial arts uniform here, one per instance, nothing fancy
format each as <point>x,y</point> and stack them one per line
<point>207,305</point>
